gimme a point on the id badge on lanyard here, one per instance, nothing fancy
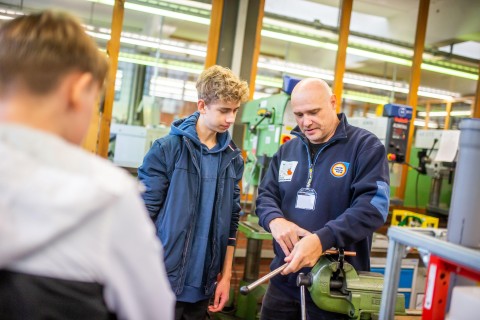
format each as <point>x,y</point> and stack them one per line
<point>306,198</point>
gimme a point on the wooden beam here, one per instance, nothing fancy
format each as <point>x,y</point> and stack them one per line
<point>342,51</point>
<point>476,105</point>
<point>256,50</point>
<point>214,33</point>
<point>113,48</point>
<point>446,125</point>
<point>414,84</point>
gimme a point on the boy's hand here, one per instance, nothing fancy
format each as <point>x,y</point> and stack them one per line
<point>222,294</point>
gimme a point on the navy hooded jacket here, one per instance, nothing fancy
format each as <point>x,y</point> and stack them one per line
<point>172,176</point>
<point>351,181</point>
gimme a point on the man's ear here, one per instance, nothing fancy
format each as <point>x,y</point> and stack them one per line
<point>81,85</point>
<point>201,106</point>
<point>333,101</point>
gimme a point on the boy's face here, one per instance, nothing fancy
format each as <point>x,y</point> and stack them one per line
<point>219,115</point>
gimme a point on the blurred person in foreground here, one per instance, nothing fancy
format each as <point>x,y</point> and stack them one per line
<point>75,239</point>
<point>329,187</point>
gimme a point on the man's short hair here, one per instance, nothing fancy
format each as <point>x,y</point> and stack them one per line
<point>221,84</point>
<point>37,50</point>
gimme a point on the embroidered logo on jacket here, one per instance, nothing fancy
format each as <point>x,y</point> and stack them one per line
<point>286,170</point>
<point>339,169</point>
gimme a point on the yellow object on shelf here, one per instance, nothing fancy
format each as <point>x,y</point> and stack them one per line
<point>405,218</point>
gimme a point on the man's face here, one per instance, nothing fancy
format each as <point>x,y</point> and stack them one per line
<point>316,117</point>
<point>219,116</point>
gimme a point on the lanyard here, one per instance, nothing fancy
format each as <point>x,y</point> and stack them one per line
<point>310,175</point>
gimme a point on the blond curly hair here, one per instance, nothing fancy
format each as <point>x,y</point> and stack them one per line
<point>221,84</point>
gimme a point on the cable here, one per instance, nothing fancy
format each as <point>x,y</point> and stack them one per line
<point>416,190</point>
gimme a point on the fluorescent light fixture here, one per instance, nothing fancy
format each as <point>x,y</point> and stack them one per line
<point>295,69</point>
<point>118,80</point>
<point>350,78</point>
<point>158,11</point>
<point>298,39</point>
<point>421,123</point>
<point>466,113</point>
<point>365,97</point>
<point>347,94</point>
<point>173,89</point>
<point>6,14</point>
<point>288,26</point>
<point>366,54</point>
<point>355,48</point>
<point>162,45</point>
<point>188,67</point>
<point>449,71</point>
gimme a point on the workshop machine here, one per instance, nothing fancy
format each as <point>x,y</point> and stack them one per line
<point>335,286</point>
<point>392,129</point>
<point>268,124</point>
<point>437,158</point>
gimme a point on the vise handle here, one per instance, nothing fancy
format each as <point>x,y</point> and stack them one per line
<point>246,289</point>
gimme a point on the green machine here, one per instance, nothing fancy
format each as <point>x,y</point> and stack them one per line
<point>335,286</point>
<point>268,124</point>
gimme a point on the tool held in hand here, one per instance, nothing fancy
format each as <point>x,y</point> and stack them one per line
<point>246,289</point>
<point>335,286</point>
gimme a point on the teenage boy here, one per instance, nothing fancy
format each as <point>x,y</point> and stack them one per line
<point>192,195</point>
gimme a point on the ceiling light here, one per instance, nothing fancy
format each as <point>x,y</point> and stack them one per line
<point>350,78</point>
<point>348,94</point>
<point>355,48</point>
<point>189,67</point>
<point>161,12</point>
<point>421,123</point>
<point>459,113</point>
<point>365,97</point>
<point>150,43</point>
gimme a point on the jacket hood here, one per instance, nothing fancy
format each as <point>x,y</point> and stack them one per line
<point>48,188</point>
<point>187,127</point>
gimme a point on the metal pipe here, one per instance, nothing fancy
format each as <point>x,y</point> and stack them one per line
<point>246,289</point>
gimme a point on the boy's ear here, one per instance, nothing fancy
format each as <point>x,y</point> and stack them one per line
<point>201,106</point>
<point>80,87</point>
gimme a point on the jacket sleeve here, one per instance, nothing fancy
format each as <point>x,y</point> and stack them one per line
<point>236,202</point>
<point>369,203</point>
<point>136,285</point>
<point>154,176</point>
<point>268,200</point>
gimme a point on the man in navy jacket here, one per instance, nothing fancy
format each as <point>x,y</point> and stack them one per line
<point>329,187</point>
<point>192,195</point>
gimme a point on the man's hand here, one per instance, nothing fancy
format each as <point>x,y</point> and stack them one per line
<point>286,233</point>
<point>222,293</point>
<point>305,253</point>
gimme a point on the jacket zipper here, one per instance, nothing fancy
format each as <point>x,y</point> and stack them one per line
<point>187,245</point>
<point>215,221</point>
